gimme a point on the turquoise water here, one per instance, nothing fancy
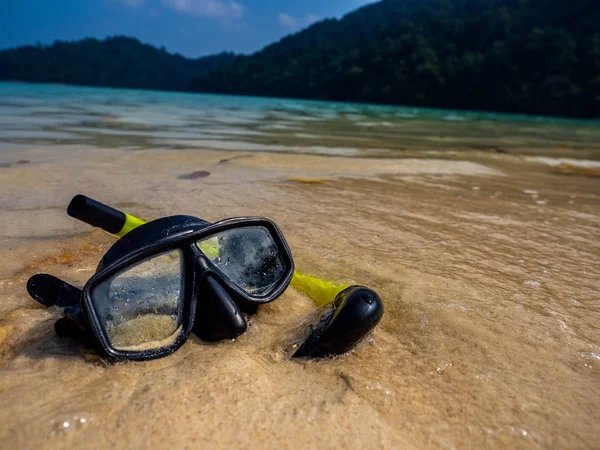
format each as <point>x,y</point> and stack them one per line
<point>57,114</point>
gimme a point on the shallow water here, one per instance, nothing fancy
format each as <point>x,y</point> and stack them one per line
<point>483,247</point>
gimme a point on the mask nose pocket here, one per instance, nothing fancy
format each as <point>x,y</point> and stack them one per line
<point>217,315</point>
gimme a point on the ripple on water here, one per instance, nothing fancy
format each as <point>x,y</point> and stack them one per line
<point>590,355</point>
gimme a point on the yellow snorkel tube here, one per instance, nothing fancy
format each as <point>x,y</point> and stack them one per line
<point>120,223</point>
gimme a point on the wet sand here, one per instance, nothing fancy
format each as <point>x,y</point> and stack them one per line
<point>487,263</point>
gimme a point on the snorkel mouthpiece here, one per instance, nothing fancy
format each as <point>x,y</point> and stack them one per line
<point>357,310</point>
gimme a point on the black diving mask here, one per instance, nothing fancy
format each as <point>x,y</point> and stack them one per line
<point>170,277</point>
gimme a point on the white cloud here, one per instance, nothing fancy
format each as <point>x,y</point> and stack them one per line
<point>215,9</point>
<point>292,22</point>
<point>133,3</point>
<point>312,18</point>
<point>287,21</point>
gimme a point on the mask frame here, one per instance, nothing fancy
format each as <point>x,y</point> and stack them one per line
<point>197,269</point>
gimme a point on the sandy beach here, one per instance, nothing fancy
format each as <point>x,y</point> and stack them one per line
<point>487,263</point>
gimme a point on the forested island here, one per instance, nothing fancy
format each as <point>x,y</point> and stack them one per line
<point>524,56</point>
<point>114,62</point>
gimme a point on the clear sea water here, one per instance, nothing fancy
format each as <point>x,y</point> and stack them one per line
<point>58,114</point>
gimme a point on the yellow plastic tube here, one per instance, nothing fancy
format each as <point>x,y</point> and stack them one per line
<point>320,291</point>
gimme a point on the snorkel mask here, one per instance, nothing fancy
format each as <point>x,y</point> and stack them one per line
<point>166,278</point>
<point>172,275</point>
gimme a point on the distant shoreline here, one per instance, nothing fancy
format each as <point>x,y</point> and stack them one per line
<point>477,114</point>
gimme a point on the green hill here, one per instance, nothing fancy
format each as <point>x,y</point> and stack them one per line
<point>114,62</point>
<point>525,56</point>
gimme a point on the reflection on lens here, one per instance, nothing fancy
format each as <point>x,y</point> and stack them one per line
<point>141,307</point>
<point>248,257</point>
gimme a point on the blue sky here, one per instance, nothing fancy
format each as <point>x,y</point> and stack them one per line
<point>190,27</point>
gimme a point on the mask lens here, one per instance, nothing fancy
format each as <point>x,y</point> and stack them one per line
<point>248,257</point>
<point>141,307</point>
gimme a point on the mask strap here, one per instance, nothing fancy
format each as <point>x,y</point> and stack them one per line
<point>49,291</point>
<point>72,325</point>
